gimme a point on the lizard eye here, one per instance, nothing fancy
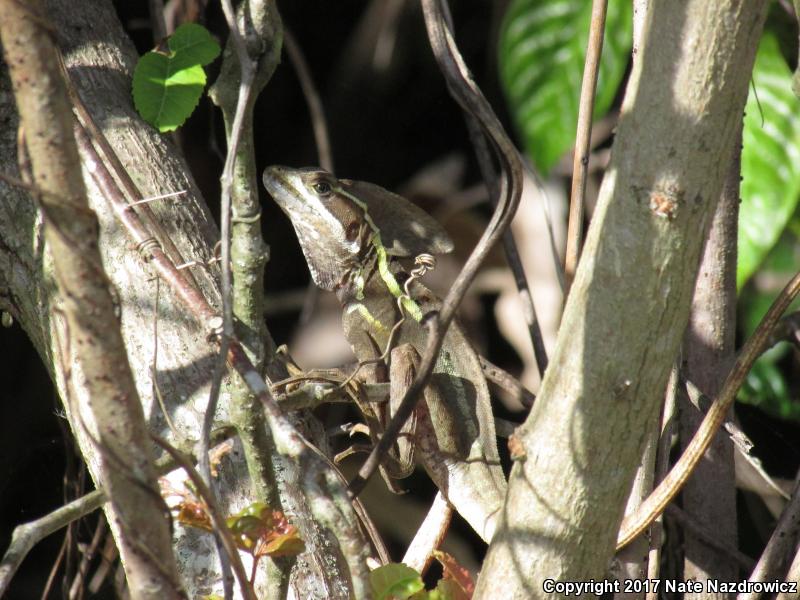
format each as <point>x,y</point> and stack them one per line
<point>323,188</point>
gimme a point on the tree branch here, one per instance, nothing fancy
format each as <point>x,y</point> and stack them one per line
<point>112,407</point>
<point>615,347</point>
<point>580,161</point>
<point>466,93</point>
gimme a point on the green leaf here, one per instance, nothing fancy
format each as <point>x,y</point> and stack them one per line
<point>770,158</point>
<point>542,51</point>
<point>447,589</point>
<point>395,580</point>
<point>777,269</point>
<point>192,44</point>
<point>766,387</point>
<point>167,86</point>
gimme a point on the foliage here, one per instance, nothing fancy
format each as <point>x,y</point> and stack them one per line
<point>397,581</point>
<point>770,158</point>
<point>168,83</point>
<point>542,52</point>
<point>257,529</point>
<point>767,385</point>
<point>262,531</point>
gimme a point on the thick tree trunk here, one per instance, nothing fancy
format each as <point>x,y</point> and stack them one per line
<point>710,494</point>
<point>89,345</point>
<point>100,61</point>
<point>629,306</point>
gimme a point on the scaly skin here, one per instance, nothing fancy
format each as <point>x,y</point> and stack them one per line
<point>350,233</point>
<point>455,433</point>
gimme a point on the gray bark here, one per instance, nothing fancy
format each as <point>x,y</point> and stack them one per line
<point>629,305</point>
<point>710,494</point>
<point>100,60</point>
<point>89,344</point>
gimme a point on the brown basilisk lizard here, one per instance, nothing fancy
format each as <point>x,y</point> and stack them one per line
<point>352,234</point>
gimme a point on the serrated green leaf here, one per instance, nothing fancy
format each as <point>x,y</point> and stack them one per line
<point>191,45</point>
<point>165,99</point>
<point>770,158</point>
<point>542,51</point>
<point>395,580</point>
<point>168,86</point>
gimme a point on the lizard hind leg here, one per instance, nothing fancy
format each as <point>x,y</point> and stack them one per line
<point>402,371</point>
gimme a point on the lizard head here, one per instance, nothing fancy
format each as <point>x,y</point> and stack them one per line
<point>338,221</point>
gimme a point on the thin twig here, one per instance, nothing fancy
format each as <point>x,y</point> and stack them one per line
<point>463,88</point>
<point>661,469</point>
<point>215,512</point>
<point>707,536</point>
<point>580,163</point>
<point>157,20</point>
<point>509,246</point>
<point>108,555</point>
<point>315,110</point>
<point>787,330</point>
<point>741,442</point>
<point>506,381</point>
<point>76,590</point>
<point>429,535</point>
<point>635,524</point>
<point>154,365</point>
<point>248,71</point>
<point>27,535</point>
<point>548,221</point>
<point>480,145</point>
<point>62,552</point>
<point>782,545</point>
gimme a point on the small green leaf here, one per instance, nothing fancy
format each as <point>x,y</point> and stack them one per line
<point>770,158</point>
<point>167,86</point>
<point>395,580</point>
<point>192,44</point>
<point>542,52</point>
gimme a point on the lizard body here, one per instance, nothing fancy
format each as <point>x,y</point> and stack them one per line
<point>351,233</point>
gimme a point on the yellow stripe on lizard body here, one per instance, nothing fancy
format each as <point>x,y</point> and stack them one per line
<point>409,305</point>
<point>362,310</point>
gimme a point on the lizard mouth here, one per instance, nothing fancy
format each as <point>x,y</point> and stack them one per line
<point>286,189</point>
<point>276,180</point>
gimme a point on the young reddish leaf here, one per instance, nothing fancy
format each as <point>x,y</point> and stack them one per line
<point>190,511</point>
<point>456,579</point>
<point>262,531</point>
<point>193,514</point>
<point>287,544</point>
